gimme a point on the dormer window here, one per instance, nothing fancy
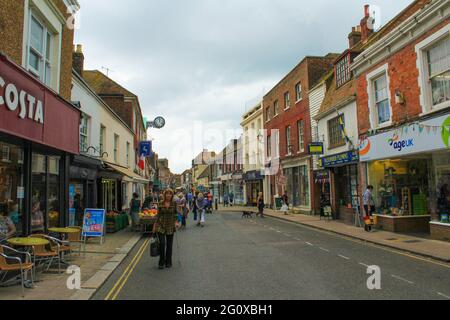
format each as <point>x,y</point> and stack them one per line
<point>343,74</point>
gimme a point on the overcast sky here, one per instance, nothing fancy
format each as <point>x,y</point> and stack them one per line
<point>202,63</point>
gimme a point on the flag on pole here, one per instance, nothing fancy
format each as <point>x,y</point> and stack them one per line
<point>141,163</point>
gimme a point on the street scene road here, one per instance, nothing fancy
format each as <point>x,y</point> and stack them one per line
<point>254,259</point>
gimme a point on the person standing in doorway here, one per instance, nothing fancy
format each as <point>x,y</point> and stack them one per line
<point>165,227</point>
<point>369,205</point>
<point>226,200</point>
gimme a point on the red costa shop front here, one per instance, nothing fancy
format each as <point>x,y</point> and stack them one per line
<point>39,131</point>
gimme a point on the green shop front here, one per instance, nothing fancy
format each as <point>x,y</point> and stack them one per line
<point>409,168</point>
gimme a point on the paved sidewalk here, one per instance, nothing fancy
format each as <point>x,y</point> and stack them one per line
<point>96,267</point>
<point>434,249</point>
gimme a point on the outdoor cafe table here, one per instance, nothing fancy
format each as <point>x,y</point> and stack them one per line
<point>67,230</point>
<point>27,243</point>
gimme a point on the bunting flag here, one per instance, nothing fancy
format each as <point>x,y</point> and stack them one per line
<point>343,129</point>
<point>141,163</point>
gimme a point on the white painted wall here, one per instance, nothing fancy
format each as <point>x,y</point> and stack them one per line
<point>351,124</point>
<point>316,97</point>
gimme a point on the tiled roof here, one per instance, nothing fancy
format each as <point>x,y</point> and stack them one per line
<point>103,84</point>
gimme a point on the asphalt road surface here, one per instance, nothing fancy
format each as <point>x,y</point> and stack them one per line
<point>268,259</point>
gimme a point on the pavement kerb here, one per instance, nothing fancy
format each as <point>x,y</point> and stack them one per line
<point>104,272</point>
<point>421,254</point>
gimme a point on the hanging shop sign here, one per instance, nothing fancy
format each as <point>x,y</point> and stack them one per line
<point>316,148</point>
<point>340,159</point>
<point>427,136</point>
<point>32,111</point>
<point>145,148</point>
<point>253,176</point>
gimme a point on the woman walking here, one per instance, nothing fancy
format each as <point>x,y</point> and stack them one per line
<point>201,209</point>
<point>166,226</point>
<point>261,205</point>
<point>135,208</point>
<point>182,209</point>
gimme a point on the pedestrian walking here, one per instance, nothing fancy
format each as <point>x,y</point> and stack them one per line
<point>201,209</point>
<point>165,227</point>
<point>231,199</point>
<point>194,206</point>
<point>182,209</point>
<point>226,199</point>
<point>369,205</point>
<point>135,208</point>
<point>261,205</point>
<point>210,202</point>
<point>285,206</point>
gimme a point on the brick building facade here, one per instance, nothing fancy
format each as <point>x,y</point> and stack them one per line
<point>288,124</point>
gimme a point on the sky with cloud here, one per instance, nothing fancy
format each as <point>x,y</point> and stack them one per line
<point>202,63</point>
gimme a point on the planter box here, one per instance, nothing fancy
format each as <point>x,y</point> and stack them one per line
<point>405,224</point>
<point>440,231</point>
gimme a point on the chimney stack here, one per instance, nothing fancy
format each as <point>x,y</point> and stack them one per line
<point>78,59</point>
<point>366,24</point>
<point>354,37</point>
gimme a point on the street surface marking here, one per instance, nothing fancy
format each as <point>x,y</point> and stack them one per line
<point>297,239</point>
<point>364,265</point>
<point>343,257</point>
<point>131,271</point>
<point>443,295</point>
<point>288,235</point>
<point>141,249</point>
<point>402,279</point>
<point>323,249</point>
<point>309,244</point>
<point>362,242</point>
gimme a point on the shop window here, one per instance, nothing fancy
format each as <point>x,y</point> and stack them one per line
<point>304,191</point>
<point>335,135</point>
<point>298,92</point>
<point>38,193</point>
<point>6,153</point>
<point>53,192</point>
<point>401,186</point>
<point>40,50</point>
<point>440,200</point>
<point>12,192</point>
<point>438,59</point>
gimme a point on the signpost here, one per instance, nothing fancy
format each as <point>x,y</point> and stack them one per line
<point>316,148</point>
<point>94,224</point>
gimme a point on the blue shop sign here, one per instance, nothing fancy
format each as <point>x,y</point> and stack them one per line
<point>145,148</point>
<point>340,159</point>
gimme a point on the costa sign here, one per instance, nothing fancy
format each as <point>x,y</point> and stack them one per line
<point>16,100</point>
<point>30,110</point>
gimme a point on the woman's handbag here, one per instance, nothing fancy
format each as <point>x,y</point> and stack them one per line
<point>154,246</point>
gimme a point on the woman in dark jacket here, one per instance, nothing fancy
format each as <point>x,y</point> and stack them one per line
<point>166,226</point>
<point>261,205</point>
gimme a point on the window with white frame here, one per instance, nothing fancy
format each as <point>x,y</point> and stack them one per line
<point>301,135</point>
<point>116,148</point>
<point>102,140</point>
<point>288,141</point>
<point>298,91</point>
<point>6,153</point>
<point>276,108</point>
<point>287,100</point>
<point>84,124</point>
<point>269,146</point>
<point>268,114</point>
<point>381,96</point>
<point>40,50</point>
<point>438,60</point>
<point>128,154</point>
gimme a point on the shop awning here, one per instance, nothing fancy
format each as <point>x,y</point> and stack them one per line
<point>128,173</point>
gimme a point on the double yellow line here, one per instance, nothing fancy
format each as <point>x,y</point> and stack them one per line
<point>117,288</point>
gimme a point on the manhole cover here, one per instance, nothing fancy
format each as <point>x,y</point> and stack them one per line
<point>412,241</point>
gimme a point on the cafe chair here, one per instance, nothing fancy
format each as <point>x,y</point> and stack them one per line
<point>19,266</point>
<point>60,246</point>
<point>76,238</point>
<point>44,255</point>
